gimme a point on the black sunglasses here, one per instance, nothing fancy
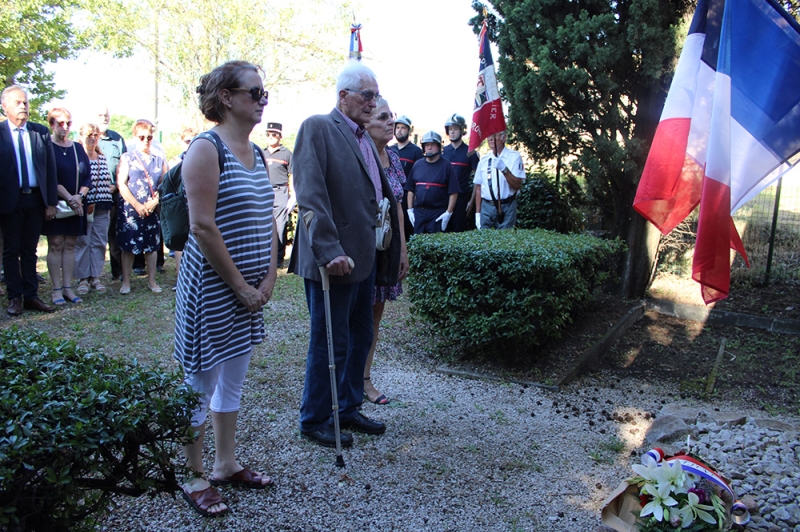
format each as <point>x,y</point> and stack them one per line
<point>367,95</point>
<point>256,93</point>
<point>148,137</point>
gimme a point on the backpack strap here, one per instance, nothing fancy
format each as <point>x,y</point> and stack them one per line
<point>213,137</point>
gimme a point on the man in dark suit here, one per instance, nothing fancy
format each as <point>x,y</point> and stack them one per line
<point>28,196</point>
<point>338,177</point>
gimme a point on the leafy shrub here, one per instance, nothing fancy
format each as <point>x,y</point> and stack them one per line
<point>541,205</point>
<point>509,288</point>
<point>78,428</point>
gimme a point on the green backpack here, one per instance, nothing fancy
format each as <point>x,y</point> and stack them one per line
<point>174,210</point>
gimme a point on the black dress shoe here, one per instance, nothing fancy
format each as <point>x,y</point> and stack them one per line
<point>361,423</point>
<point>15,306</point>
<point>326,436</point>
<point>140,271</point>
<point>38,304</point>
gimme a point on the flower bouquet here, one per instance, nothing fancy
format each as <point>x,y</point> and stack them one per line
<point>672,494</point>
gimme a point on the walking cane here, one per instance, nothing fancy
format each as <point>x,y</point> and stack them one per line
<point>326,292</point>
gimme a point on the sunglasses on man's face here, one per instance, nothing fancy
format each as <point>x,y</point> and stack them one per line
<point>256,93</point>
<point>272,134</point>
<point>64,123</point>
<point>143,138</point>
<point>367,95</point>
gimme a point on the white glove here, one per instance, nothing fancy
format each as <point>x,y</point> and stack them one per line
<point>477,220</point>
<point>411,216</point>
<point>445,218</point>
<point>500,165</point>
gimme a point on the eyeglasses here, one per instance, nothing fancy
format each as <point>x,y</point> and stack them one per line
<point>148,137</point>
<point>256,93</point>
<point>367,95</point>
<point>64,123</point>
<point>383,117</point>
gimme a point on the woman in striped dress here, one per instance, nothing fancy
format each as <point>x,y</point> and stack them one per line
<point>227,274</point>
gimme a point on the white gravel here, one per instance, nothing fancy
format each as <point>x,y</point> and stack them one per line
<point>458,455</point>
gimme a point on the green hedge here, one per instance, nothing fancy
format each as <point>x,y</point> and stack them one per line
<point>519,286</point>
<point>78,428</point>
<point>541,205</point>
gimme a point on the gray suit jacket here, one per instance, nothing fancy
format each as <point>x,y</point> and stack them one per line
<point>331,179</point>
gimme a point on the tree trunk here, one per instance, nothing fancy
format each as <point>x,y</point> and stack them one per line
<point>640,261</point>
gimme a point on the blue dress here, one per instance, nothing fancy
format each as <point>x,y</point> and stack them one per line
<point>136,234</point>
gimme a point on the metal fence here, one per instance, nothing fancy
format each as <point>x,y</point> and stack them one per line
<point>769,225</point>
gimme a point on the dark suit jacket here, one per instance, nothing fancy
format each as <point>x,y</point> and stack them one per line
<point>44,161</point>
<point>332,180</point>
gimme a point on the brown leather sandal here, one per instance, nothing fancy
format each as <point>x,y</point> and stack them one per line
<point>246,478</point>
<point>202,500</point>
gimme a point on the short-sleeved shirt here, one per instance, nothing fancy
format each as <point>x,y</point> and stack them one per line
<point>432,183</point>
<point>409,155</point>
<point>113,146</point>
<point>487,168</point>
<point>279,164</point>
<point>463,163</point>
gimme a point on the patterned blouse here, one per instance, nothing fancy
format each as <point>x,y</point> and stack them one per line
<point>397,178</point>
<point>100,193</point>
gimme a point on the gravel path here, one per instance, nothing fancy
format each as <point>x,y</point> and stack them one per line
<point>458,455</point>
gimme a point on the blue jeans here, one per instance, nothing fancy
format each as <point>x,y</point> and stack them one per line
<point>351,322</point>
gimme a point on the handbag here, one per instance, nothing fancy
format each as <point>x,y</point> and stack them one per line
<point>383,227</point>
<point>90,213</point>
<point>62,209</point>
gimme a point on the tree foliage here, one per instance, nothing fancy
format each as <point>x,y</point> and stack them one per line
<point>34,34</point>
<point>294,42</point>
<point>586,81</point>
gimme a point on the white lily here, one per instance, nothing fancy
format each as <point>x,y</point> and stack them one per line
<point>662,498</point>
<point>648,468</point>
<point>693,509</point>
<point>671,476</point>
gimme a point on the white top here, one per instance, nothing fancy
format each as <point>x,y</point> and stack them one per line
<point>486,168</point>
<point>26,140</point>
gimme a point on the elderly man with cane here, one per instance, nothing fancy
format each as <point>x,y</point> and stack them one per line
<point>339,184</point>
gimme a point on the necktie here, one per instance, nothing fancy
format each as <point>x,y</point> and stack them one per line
<point>23,163</point>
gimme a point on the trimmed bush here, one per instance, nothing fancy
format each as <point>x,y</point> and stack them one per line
<point>541,205</point>
<point>78,428</point>
<point>508,288</point>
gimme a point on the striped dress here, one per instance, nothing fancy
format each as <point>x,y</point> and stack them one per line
<point>211,325</point>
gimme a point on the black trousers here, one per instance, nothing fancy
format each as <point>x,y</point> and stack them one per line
<point>21,230</point>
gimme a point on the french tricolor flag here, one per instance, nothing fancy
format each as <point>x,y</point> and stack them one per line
<point>355,41</point>
<point>730,127</point>
<point>487,117</point>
